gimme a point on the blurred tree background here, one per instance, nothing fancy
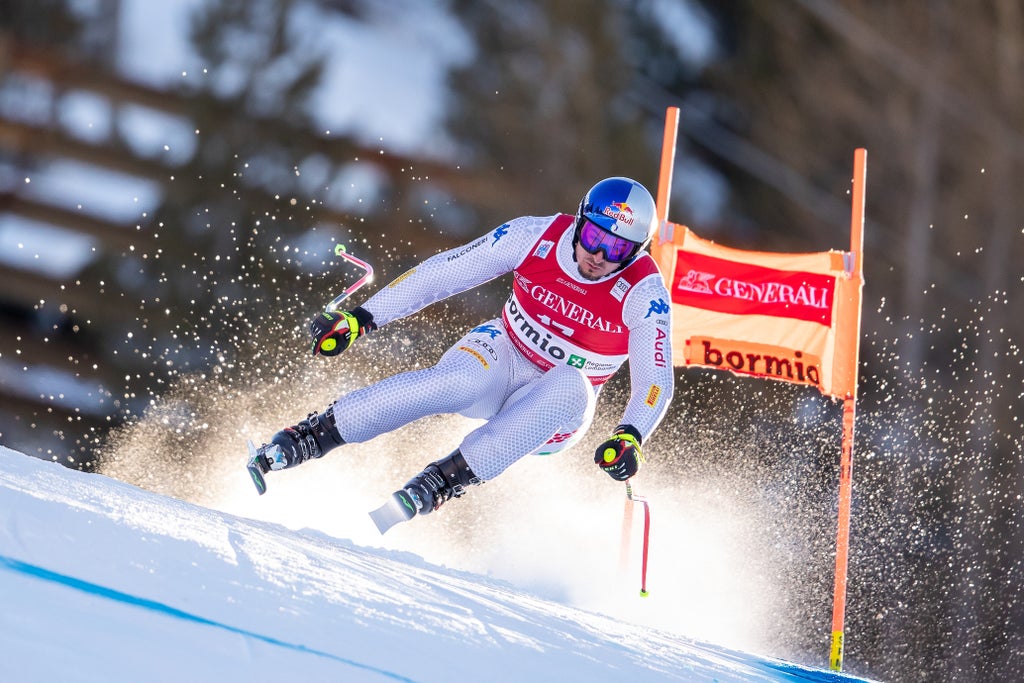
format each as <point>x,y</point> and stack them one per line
<point>248,190</point>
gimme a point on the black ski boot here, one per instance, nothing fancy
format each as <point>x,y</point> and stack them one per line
<point>293,446</point>
<point>439,482</point>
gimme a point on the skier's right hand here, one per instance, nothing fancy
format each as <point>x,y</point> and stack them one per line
<point>620,456</point>
<point>335,331</point>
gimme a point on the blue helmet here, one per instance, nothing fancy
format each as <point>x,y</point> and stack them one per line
<point>623,207</point>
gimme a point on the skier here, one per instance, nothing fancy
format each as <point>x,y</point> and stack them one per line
<point>585,296</point>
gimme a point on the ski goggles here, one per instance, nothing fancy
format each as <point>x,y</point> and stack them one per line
<point>594,238</point>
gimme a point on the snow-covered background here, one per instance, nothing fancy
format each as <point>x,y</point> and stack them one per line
<point>101,581</point>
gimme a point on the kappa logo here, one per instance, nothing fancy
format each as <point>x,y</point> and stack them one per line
<point>658,307</point>
<point>499,233</point>
<point>487,329</point>
<point>697,281</point>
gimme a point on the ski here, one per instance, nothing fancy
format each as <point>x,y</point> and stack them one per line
<point>400,507</point>
<point>256,468</point>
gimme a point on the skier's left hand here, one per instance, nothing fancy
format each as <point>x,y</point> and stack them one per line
<point>620,456</point>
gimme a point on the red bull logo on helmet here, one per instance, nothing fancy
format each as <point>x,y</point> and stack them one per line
<point>620,211</point>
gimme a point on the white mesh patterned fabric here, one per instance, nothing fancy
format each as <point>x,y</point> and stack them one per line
<point>560,402</point>
<point>476,377</point>
<point>458,269</point>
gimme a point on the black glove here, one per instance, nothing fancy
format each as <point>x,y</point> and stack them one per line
<point>620,455</point>
<point>335,331</point>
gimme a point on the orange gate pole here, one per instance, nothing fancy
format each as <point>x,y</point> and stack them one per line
<point>848,327</point>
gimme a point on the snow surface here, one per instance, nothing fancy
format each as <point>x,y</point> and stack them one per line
<point>101,580</point>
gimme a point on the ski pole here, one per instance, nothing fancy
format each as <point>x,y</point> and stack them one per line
<point>627,537</point>
<point>630,499</point>
<point>341,252</point>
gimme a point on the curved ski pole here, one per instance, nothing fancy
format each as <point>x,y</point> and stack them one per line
<point>341,252</point>
<point>630,499</point>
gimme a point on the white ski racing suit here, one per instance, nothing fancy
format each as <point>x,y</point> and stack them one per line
<point>534,373</point>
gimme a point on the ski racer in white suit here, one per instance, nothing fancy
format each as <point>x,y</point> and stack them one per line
<point>585,297</point>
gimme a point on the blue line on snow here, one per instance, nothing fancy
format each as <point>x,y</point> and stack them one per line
<point>111,594</point>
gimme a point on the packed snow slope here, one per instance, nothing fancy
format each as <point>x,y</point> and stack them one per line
<point>102,581</point>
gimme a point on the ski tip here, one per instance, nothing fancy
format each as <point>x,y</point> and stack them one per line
<point>257,479</point>
<point>398,508</point>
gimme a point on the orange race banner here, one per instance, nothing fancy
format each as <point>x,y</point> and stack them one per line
<point>780,316</point>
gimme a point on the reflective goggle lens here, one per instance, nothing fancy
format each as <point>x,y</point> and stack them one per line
<point>594,238</point>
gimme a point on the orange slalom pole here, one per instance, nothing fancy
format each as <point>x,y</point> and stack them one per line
<point>662,242</point>
<point>849,415</point>
<point>843,536</point>
<point>668,158</point>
